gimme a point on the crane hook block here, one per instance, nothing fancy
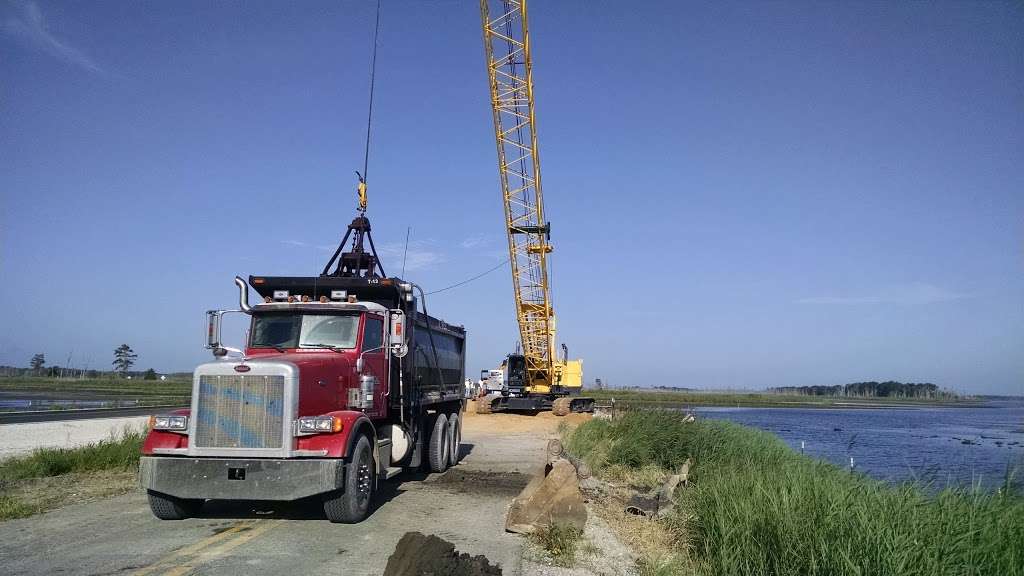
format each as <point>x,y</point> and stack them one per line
<point>362,195</point>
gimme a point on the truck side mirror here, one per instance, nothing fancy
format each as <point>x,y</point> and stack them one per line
<point>396,333</point>
<point>359,364</point>
<point>213,329</point>
<point>213,318</point>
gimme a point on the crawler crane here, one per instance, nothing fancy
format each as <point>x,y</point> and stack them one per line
<point>534,379</point>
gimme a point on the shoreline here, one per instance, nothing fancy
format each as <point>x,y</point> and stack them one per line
<point>686,404</point>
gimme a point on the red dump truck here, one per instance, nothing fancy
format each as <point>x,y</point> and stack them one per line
<point>344,381</point>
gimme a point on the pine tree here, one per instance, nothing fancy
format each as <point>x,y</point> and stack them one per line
<point>124,358</point>
<point>37,362</point>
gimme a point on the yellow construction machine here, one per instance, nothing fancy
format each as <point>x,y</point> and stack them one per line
<point>534,379</point>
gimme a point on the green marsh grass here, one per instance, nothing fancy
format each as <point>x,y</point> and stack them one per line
<point>757,507</point>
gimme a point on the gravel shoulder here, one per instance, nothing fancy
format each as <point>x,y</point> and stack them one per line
<point>465,506</point>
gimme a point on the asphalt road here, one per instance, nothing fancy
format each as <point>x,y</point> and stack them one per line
<point>85,414</point>
<point>466,506</point>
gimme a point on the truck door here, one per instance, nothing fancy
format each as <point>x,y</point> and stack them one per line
<point>375,361</point>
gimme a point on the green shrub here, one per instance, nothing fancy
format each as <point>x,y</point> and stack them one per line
<point>561,541</point>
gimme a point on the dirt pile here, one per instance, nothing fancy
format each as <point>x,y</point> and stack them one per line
<point>479,482</point>
<point>419,555</point>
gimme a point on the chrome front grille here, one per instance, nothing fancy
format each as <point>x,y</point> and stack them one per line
<point>239,411</point>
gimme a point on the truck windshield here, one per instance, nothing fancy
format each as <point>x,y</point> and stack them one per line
<point>304,331</point>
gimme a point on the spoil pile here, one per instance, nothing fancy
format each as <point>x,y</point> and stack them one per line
<point>420,555</point>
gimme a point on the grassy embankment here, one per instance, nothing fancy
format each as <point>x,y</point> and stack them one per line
<point>654,398</point>
<point>754,506</point>
<point>51,477</point>
<point>146,392</point>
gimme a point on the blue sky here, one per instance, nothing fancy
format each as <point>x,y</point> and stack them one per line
<point>742,194</point>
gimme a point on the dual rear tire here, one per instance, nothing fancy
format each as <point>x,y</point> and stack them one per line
<point>445,442</point>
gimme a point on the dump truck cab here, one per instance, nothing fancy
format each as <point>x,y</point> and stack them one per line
<point>340,346</point>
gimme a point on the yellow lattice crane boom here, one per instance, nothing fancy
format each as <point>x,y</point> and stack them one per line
<point>536,374</point>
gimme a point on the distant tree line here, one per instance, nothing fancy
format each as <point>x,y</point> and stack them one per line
<point>888,389</point>
<point>124,359</point>
<point>80,373</point>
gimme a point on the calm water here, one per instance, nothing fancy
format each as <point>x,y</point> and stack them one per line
<point>935,445</point>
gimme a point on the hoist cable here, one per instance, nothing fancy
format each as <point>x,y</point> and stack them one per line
<point>373,76</point>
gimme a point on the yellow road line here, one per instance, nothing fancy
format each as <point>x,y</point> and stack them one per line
<point>210,554</point>
<point>173,563</point>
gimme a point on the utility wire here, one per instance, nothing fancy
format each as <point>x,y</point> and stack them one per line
<point>373,76</point>
<point>467,281</point>
<point>406,253</point>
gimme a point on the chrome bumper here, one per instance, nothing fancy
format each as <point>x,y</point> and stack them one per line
<point>240,478</point>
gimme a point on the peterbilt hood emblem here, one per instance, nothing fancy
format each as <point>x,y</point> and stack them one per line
<point>242,368</point>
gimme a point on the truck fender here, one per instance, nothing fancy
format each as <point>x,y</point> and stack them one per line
<point>357,426</point>
<point>356,423</point>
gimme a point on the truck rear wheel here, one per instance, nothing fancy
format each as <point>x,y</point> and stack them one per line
<point>455,436</point>
<point>440,446</point>
<point>352,504</point>
<point>167,507</point>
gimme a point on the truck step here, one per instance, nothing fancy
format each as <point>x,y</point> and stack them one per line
<point>390,472</point>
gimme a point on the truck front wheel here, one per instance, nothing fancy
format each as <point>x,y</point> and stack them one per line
<point>352,504</point>
<point>440,447</point>
<point>167,507</point>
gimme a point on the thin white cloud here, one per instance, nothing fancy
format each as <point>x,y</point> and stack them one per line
<point>477,241</point>
<point>28,27</point>
<point>301,244</point>
<point>421,255</point>
<point>915,293</point>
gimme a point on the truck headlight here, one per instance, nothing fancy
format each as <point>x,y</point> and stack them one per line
<point>318,425</point>
<point>169,423</point>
